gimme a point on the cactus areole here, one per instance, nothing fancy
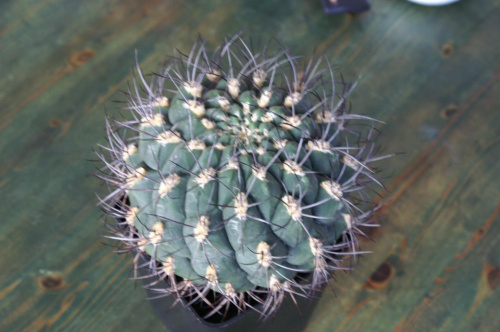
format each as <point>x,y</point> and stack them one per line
<point>241,176</point>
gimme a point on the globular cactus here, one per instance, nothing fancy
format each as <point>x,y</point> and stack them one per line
<point>241,176</point>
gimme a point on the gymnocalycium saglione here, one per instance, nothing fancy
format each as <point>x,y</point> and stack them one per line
<point>241,175</point>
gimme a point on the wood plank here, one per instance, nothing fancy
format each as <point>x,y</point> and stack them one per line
<point>431,73</point>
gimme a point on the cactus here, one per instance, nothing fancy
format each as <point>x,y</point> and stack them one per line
<point>241,176</point>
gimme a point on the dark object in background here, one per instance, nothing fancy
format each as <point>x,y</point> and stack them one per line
<point>345,6</point>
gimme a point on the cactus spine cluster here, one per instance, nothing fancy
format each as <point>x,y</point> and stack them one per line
<point>241,175</point>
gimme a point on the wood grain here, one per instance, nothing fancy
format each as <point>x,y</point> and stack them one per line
<point>433,74</point>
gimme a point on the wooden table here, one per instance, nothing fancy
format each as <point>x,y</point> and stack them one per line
<point>433,74</point>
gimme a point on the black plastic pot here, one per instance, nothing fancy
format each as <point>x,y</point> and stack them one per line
<point>182,318</point>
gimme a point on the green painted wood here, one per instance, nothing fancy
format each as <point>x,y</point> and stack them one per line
<point>432,74</point>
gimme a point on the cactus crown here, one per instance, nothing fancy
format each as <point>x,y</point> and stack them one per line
<point>239,175</point>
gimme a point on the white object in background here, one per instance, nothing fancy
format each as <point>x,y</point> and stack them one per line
<point>433,2</point>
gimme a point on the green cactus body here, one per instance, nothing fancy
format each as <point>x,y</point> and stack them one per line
<point>237,184</point>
